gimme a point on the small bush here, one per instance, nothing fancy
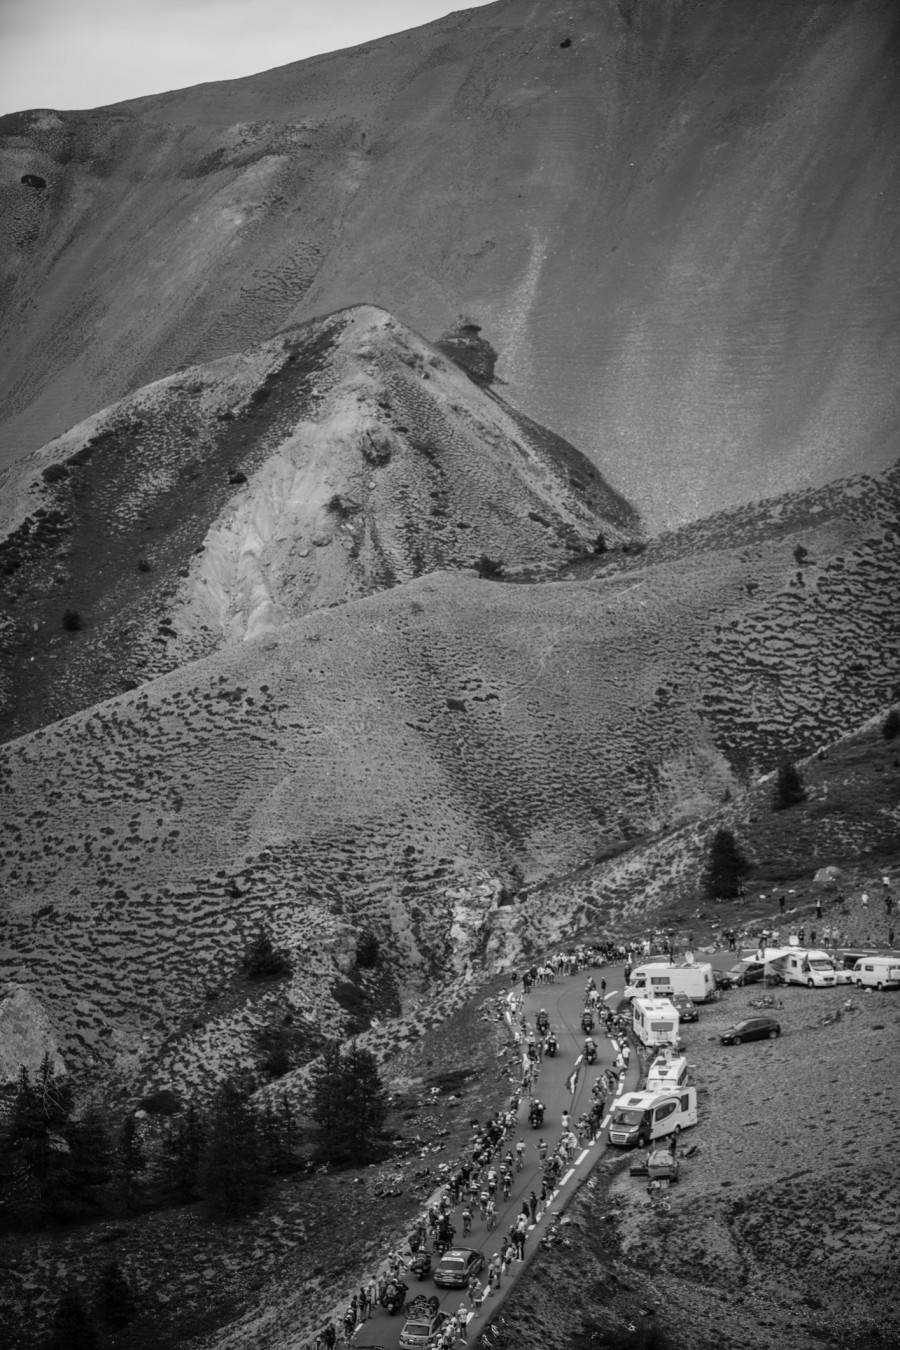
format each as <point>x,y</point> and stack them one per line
<point>115,1301</point>
<point>489,568</point>
<point>72,621</point>
<point>789,789</point>
<point>144,566</point>
<point>367,950</point>
<point>162,1103</point>
<point>800,555</point>
<point>262,960</point>
<point>890,727</point>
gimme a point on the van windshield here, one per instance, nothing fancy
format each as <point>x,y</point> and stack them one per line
<point>820,964</point>
<point>622,1117</point>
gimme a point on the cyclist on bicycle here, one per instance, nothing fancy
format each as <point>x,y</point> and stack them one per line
<point>520,1155</point>
<point>483,1200</point>
<point>506,1183</point>
<point>491,1214</point>
<point>492,1180</point>
<point>467,1221</point>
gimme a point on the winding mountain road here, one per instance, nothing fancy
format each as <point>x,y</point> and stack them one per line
<point>564,1084</point>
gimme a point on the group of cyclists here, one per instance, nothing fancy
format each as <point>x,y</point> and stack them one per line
<point>474,1187</point>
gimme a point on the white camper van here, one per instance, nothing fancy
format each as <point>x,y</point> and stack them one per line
<point>880,972</point>
<point>641,1117</point>
<point>655,1021</point>
<point>794,965</point>
<point>667,1071</point>
<point>660,979</point>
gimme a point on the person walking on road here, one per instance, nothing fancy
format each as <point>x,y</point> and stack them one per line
<point>532,1206</point>
<point>542,1150</point>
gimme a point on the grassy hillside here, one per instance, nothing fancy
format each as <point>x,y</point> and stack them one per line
<point>392,762</point>
<point>673,222</point>
<point>341,458</point>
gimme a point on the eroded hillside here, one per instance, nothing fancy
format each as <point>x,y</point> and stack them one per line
<point>391,763</point>
<point>342,458</point>
<point>674,220</point>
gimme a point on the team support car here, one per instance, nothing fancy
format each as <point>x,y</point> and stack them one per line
<point>457,1266</point>
<point>418,1330</point>
<point>687,1010</point>
<point>751,1029</point>
<point>742,972</point>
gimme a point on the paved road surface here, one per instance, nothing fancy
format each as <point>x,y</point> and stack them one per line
<point>564,1084</point>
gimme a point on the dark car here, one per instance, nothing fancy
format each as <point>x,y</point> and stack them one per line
<point>751,1029</point>
<point>457,1266</point>
<point>744,972</point>
<point>687,1011</point>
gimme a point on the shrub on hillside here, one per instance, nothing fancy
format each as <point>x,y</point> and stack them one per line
<point>263,960</point>
<point>789,789</point>
<point>72,1328</point>
<point>890,727</point>
<point>489,569</point>
<point>367,950</point>
<point>726,867</point>
<point>72,621</point>
<point>115,1302</point>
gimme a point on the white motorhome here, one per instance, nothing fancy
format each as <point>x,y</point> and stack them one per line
<point>641,1117</point>
<point>659,979</point>
<point>655,1021</point>
<point>668,1071</point>
<point>796,965</point>
<point>879,972</point>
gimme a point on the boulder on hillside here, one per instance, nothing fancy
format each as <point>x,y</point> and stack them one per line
<point>26,1035</point>
<point>828,877</point>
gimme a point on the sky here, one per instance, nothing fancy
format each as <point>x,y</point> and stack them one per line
<point>86,53</point>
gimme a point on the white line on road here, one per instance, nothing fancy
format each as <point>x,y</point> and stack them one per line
<point>566,1177</point>
<point>604,1123</point>
<point>581,1157</point>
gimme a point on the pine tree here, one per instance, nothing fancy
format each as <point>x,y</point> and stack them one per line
<point>789,789</point>
<point>890,727</point>
<point>115,1302</point>
<point>181,1154</point>
<point>349,1106</point>
<point>725,868</point>
<point>231,1172</point>
<point>72,1326</point>
<point>263,960</point>
<point>38,1171</point>
<point>92,1161</point>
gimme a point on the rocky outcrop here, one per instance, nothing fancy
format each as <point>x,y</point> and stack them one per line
<point>26,1035</point>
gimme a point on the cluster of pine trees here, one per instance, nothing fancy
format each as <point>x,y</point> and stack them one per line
<point>61,1161</point>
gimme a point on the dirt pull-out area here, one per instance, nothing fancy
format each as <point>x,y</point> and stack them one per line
<point>784,1230</point>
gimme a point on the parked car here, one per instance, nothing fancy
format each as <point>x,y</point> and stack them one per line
<point>457,1266</point>
<point>742,972</point>
<point>417,1332</point>
<point>687,1010</point>
<point>751,1029</point>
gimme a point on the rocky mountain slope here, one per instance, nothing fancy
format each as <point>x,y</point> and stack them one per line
<point>391,763</point>
<point>674,222</point>
<point>343,457</point>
